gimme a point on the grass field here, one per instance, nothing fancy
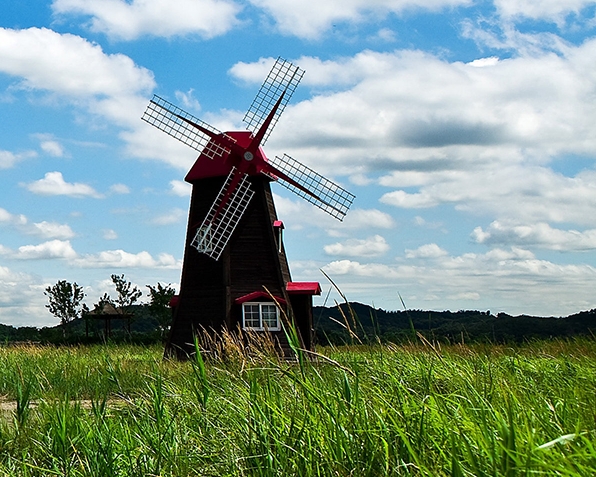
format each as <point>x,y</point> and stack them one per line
<point>358,411</point>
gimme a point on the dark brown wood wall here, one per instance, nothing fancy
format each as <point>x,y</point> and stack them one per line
<point>251,262</point>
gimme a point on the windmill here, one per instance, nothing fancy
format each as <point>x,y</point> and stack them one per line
<point>235,270</point>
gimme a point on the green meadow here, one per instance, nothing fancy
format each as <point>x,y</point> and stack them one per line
<point>415,409</point>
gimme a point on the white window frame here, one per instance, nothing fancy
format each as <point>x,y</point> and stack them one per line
<point>261,326</point>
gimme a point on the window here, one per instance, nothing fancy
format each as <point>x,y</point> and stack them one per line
<point>260,316</point>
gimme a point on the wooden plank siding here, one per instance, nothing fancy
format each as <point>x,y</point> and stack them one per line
<point>250,262</point>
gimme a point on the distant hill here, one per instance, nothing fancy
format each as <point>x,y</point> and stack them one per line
<point>448,326</point>
<point>366,322</point>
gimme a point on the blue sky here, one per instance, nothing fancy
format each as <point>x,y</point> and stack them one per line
<point>465,129</point>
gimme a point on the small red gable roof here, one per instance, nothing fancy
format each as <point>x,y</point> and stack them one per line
<point>303,288</point>
<point>257,295</point>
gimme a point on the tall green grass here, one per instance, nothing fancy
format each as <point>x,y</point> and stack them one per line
<point>352,411</point>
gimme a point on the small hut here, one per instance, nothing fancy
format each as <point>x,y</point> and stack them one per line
<point>107,312</point>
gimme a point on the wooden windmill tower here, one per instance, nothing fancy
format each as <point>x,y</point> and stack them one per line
<point>234,259</point>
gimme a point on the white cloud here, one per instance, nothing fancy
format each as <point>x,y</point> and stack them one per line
<point>540,235</point>
<point>119,189</point>
<point>369,247</point>
<point>11,219</point>
<point>368,218</point>
<point>510,280</point>
<point>479,136</point>
<point>50,145</point>
<point>122,259</point>
<point>9,159</point>
<point>22,300</point>
<point>110,87</point>
<point>553,10</point>
<point>172,217</point>
<point>52,230</point>
<point>298,213</point>
<point>187,101</point>
<point>310,20</point>
<point>48,250</point>
<point>53,148</point>
<point>54,184</point>
<point>180,188</point>
<point>45,229</point>
<point>109,234</point>
<point>405,200</point>
<point>345,267</point>
<point>431,250</point>
<point>50,61</point>
<point>164,18</point>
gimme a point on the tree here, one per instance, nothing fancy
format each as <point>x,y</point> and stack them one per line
<point>65,302</point>
<point>127,293</point>
<point>127,296</point>
<point>159,306</point>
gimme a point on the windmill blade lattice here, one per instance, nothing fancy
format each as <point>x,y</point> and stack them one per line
<point>330,197</point>
<point>282,79</point>
<point>176,122</point>
<point>216,229</point>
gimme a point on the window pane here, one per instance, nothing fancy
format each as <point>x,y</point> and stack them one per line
<point>269,313</point>
<point>251,316</point>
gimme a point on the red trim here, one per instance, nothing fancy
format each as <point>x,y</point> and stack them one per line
<point>174,301</point>
<point>303,288</point>
<point>278,224</point>
<point>257,295</point>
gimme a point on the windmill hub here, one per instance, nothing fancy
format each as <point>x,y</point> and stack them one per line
<point>248,156</point>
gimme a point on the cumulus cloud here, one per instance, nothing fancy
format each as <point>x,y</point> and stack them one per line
<point>188,101</point>
<point>368,218</point>
<point>172,217</point>
<point>54,184</point>
<point>369,247</point>
<point>511,280</point>
<point>163,18</point>
<point>122,259</point>
<point>50,61</point>
<point>110,87</point>
<point>540,235</point>
<point>22,300</point>
<point>44,229</point>
<point>109,234</point>
<point>11,219</point>
<point>345,267</point>
<point>479,136</point>
<point>298,213</point>
<point>550,10</point>
<point>307,20</point>
<point>50,145</point>
<point>51,230</point>
<point>54,249</point>
<point>431,250</point>
<point>9,159</point>
<point>119,189</point>
<point>180,188</point>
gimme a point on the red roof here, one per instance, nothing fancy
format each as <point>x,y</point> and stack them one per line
<point>278,223</point>
<point>303,288</point>
<point>256,295</point>
<point>206,167</point>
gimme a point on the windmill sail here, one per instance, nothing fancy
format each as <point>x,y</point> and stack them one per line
<point>282,80</point>
<point>325,194</point>
<point>228,208</point>
<point>183,126</point>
